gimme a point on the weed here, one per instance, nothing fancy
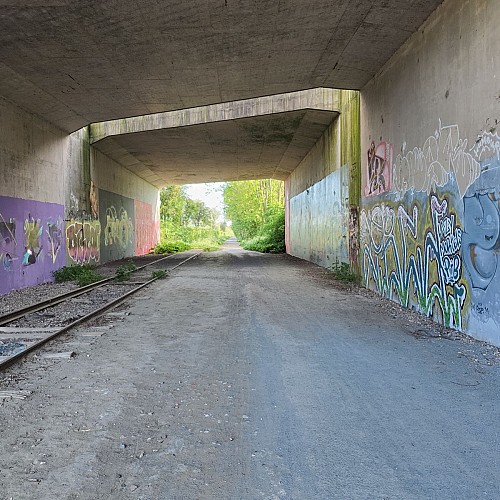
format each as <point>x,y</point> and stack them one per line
<point>82,274</point>
<point>125,270</point>
<point>342,272</point>
<point>159,274</point>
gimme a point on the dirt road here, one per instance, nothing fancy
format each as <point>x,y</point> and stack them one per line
<point>248,376</point>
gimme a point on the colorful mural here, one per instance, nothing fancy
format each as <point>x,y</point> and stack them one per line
<point>146,228</point>
<point>431,241</point>
<point>414,257</point>
<point>31,239</point>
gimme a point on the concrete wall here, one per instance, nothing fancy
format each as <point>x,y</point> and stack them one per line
<point>430,220</point>
<point>50,184</point>
<point>322,193</point>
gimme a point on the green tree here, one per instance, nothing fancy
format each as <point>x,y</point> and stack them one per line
<point>248,203</point>
<point>196,213</point>
<point>172,202</point>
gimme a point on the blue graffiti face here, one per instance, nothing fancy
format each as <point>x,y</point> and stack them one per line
<point>482,229</point>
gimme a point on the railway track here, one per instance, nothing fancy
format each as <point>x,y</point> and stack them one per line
<point>24,330</point>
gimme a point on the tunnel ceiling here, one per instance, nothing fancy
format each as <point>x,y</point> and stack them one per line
<point>77,62</point>
<point>269,146</point>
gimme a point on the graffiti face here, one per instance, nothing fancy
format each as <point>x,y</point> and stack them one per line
<point>482,229</point>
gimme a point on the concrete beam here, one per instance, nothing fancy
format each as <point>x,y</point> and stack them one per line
<point>323,99</point>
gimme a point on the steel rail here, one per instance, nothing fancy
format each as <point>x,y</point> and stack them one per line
<point>19,313</point>
<point>91,315</point>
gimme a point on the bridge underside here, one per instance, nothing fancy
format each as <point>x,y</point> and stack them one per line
<point>74,63</point>
<point>102,103</point>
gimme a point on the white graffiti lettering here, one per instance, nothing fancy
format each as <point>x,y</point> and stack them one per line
<point>442,155</point>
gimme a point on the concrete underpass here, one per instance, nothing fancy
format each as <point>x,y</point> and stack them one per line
<point>382,120</point>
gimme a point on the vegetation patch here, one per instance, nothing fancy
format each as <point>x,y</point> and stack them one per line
<point>125,270</point>
<point>171,247</point>
<point>160,274</point>
<point>271,236</point>
<point>187,223</point>
<point>82,274</point>
<point>256,209</point>
<point>341,271</point>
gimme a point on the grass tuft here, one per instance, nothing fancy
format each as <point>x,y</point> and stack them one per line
<point>161,274</point>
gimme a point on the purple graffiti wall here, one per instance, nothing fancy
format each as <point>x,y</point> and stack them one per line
<point>32,242</point>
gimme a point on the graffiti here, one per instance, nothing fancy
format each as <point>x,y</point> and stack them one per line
<point>379,168</point>
<point>146,228</point>
<point>119,229</point>
<point>31,242</point>
<point>83,241</point>
<point>33,230</point>
<point>353,236</point>
<point>55,236</point>
<point>424,276</point>
<point>94,201</point>
<point>7,243</point>
<point>481,239</point>
<point>487,142</point>
<point>443,154</point>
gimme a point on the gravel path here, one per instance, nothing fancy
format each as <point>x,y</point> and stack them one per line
<point>247,376</point>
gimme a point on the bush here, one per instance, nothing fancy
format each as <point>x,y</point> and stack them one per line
<point>82,274</point>
<point>171,247</point>
<point>271,236</point>
<point>182,238</point>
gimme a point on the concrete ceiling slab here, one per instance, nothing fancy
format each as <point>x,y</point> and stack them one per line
<point>268,146</point>
<point>75,63</point>
<point>264,137</point>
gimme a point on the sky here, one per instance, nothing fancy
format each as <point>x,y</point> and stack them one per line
<point>210,194</point>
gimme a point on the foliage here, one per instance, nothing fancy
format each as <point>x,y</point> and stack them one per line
<point>82,274</point>
<point>271,236</point>
<point>256,209</point>
<point>342,272</point>
<point>172,199</point>
<point>179,210</point>
<point>171,247</point>
<point>125,270</point>
<point>160,274</point>
<point>187,223</point>
<point>247,203</point>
